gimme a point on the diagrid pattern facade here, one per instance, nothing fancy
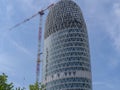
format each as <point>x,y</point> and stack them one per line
<point>66,62</point>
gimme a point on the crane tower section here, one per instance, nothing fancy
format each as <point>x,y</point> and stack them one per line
<point>41,13</point>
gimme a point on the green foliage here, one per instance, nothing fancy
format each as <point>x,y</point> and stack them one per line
<point>37,86</point>
<point>3,83</point>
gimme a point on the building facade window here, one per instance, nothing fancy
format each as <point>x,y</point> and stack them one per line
<point>66,49</point>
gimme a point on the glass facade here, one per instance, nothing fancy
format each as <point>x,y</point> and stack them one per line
<point>66,62</point>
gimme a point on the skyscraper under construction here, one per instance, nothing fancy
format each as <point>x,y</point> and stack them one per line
<point>66,62</point>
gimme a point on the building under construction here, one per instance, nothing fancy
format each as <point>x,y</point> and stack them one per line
<point>66,62</point>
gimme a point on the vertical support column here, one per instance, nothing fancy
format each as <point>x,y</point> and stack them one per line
<point>39,48</point>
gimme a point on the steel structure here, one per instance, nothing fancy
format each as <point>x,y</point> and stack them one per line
<point>41,13</point>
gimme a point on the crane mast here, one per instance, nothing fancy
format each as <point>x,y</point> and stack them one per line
<point>39,48</point>
<point>41,13</point>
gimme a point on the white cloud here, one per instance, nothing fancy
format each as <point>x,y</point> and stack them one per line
<point>9,10</point>
<point>53,1</point>
<point>16,45</point>
<point>104,84</point>
<point>104,15</point>
<point>7,64</point>
<point>27,5</point>
<point>113,26</point>
<point>116,8</point>
<point>114,63</point>
<point>32,5</point>
<point>20,47</point>
<point>6,12</point>
<point>108,18</point>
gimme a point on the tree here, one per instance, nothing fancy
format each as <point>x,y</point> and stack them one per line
<point>37,86</point>
<point>4,85</point>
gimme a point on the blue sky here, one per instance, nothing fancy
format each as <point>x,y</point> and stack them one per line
<point>18,48</point>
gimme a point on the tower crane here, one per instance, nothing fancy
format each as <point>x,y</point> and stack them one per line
<point>41,13</point>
